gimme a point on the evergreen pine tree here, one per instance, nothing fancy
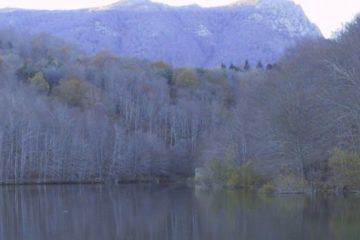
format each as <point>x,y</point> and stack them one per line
<point>260,65</point>
<point>247,65</point>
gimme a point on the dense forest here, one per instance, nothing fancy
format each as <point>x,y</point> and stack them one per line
<point>70,117</point>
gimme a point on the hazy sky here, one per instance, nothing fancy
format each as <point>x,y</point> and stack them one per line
<point>329,15</point>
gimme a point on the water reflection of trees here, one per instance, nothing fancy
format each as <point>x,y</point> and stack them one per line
<point>134,212</point>
<point>345,219</point>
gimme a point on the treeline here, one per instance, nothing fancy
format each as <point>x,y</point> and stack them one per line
<point>69,117</point>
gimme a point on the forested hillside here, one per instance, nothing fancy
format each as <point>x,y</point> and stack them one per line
<point>68,117</point>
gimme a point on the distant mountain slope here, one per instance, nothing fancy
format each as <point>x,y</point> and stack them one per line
<point>183,36</point>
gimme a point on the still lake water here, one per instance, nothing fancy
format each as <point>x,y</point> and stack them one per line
<point>132,212</point>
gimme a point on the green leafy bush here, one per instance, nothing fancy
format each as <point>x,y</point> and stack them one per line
<point>243,176</point>
<point>290,182</point>
<point>218,172</point>
<point>267,188</point>
<point>345,168</point>
<point>229,174</point>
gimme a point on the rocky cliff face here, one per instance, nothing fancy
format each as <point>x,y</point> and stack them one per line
<point>184,36</point>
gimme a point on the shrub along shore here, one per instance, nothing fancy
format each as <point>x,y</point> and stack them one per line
<point>344,176</point>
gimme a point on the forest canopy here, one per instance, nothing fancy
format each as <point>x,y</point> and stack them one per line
<point>70,117</point>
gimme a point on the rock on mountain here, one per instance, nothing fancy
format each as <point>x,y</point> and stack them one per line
<point>184,36</point>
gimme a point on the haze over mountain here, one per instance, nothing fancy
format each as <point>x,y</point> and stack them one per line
<point>183,36</point>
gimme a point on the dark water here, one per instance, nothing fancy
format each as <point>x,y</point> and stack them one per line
<point>132,212</point>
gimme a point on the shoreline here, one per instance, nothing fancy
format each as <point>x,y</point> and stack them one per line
<point>188,183</point>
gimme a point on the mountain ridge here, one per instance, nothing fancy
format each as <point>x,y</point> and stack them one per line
<point>184,36</point>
